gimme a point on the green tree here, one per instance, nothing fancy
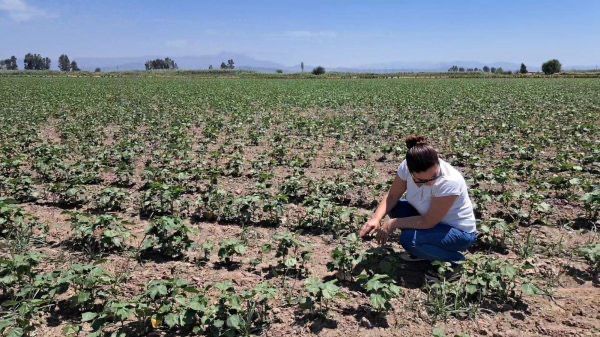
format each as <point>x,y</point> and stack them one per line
<point>13,63</point>
<point>9,64</point>
<point>523,69</point>
<point>318,71</point>
<point>74,66</point>
<point>64,64</point>
<point>551,67</point>
<point>486,69</point>
<point>229,65</point>
<point>167,63</point>
<point>36,62</point>
<point>302,66</point>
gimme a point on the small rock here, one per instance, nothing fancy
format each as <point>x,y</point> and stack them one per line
<point>364,322</point>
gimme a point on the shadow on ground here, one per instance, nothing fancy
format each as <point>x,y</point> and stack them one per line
<point>384,260</point>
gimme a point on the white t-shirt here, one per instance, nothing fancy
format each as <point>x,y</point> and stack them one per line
<point>451,182</point>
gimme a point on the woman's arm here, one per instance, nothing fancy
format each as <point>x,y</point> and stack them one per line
<point>385,205</point>
<point>437,211</point>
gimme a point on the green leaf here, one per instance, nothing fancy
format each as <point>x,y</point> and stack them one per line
<point>159,289</point>
<point>290,262</point>
<point>88,316</point>
<point>16,332</point>
<point>470,289</point>
<point>234,321</point>
<point>378,302</point>
<point>530,289</point>
<point>171,320</point>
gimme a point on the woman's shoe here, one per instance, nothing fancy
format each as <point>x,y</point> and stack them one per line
<point>409,257</point>
<point>432,276</point>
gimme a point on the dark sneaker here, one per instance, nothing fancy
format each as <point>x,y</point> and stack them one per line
<point>432,275</point>
<point>409,257</point>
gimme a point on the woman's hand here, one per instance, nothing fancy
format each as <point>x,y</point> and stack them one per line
<point>385,230</point>
<point>370,227</point>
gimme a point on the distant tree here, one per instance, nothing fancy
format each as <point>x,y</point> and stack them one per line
<point>461,70</point>
<point>523,69</point>
<point>279,71</point>
<point>318,71</point>
<point>74,66</point>
<point>97,70</point>
<point>551,67</point>
<point>9,64</point>
<point>13,63</point>
<point>493,70</point>
<point>210,67</point>
<point>64,64</point>
<point>229,65</point>
<point>170,63</point>
<point>167,63</point>
<point>499,70</point>
<point>453,69</point>
<point>36,62</point>
<point>486,69</point>
<point>302,66</point>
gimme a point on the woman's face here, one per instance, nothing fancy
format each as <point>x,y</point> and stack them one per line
<point>427,177</point>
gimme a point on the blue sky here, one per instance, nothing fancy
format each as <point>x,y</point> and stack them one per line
<point>331,33</point>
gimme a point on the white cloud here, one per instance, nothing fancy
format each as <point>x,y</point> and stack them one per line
<point>20,11</point>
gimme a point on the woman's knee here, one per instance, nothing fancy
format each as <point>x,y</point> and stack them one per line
<point>407,238</point>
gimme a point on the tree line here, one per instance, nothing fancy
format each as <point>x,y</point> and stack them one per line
<point>549,67</point>
<point>38,62</point>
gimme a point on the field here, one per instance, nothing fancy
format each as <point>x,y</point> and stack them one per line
<point>181,205</point>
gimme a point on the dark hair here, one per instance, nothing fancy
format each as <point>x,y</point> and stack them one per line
<point>420,155</point>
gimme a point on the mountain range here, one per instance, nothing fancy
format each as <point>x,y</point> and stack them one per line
<point>245,62</point>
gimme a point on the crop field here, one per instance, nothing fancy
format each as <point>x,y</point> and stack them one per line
<point>177,205</point>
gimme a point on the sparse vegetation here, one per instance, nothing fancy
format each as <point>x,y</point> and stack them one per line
<point>172,204</point>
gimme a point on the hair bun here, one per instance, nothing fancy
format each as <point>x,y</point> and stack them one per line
<point>415,140</point>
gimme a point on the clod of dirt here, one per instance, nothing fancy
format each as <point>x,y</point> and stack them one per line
<point>364,322</point>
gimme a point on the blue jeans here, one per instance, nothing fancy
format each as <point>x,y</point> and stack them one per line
<point>442,242</point>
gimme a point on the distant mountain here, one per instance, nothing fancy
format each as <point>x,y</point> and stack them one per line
<point>245,62</point>
<point>183,62</point>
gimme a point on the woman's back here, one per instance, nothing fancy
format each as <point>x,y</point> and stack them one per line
<point>450,182</point>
